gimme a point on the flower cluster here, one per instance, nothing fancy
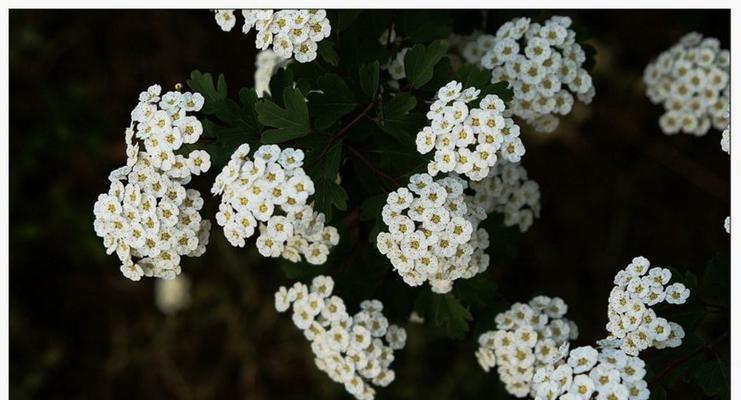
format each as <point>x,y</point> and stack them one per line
<point>692,81</point>
<point>272,189</point>
<point>591,373</point>
<point>633,325</point>
<point>542,63</point>
<point>528,337</point>
<point>433,232</point>
<point>290,32</point>
<point>467,140</point>
<point>532,354</point>
<point>148,217</point>
<point>266,63</point>
<point>350,349</point>
<point>508,191</point>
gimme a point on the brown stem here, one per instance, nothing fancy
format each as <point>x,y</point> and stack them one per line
<point>370,166</point>
<point>342,133</point>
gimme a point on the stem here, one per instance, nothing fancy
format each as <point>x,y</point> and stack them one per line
<point>370,166</point>
<point>342,133</point>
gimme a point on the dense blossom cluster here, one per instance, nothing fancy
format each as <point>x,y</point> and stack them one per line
<point>528,337</point>
<point>272,189</point>
<point>357,350</point>
<point>532,353</point>
<point>633,325</point>
<point>290,32</point>
<point>433,232</point>
<point>508,191</point>
<point>148,217</point>
<point>692,81</point>
<point>588,373</point>
<point>543,65</point>
<point>266,63</point>
<point>467,140</point>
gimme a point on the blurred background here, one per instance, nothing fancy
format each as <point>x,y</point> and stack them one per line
<point>613,187</point>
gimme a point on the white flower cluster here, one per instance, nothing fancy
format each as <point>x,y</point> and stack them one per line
<point>290,32</point>
<point>692,81</point>
<point>633,325</point>
<point>543,65</point>
<point>589,373</point>
<point>147,217</point>
<point>266,63</point>
<point>528,337</point>
<point>351,350</point>
<point>433,232</point>
<point>467,141</point>
<point>529,364</point>
<point>257,190</point>
<point>508,191</point>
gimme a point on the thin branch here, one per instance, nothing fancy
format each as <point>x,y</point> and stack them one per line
<point>342,133</point>
<point>370,166</point>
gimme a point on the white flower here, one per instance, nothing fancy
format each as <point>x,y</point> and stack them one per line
<point>541,62</point>
<point>433,234</point>
<point>148,218</point>
<point>357,350</point>
<point>582,359</point>
<point>273,189</point>
<point>466,140</point>
<point>691,80</point>
<point>292,33</point>
<point>225,19</point>
<point>507,190</point>
<point>525,349</point>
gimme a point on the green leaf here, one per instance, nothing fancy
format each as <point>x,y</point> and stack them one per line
<point>399,105</point>
<point>446,313</point>
<point>212,94</point>
<point>328,195</point>
<point>714,378</point>
<point>369,78</point>
<point>398,122</point>
<point>476,291</point>
<point>282,79</point>
<point>335,101</point>
<point>291,122</point>
<point>328,53</point>
<point>420,61</point>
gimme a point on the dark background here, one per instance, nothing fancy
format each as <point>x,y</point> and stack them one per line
<point>613,187</point>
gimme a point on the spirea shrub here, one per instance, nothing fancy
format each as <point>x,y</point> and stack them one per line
<point>691,81</point>
<point>370,153</point>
